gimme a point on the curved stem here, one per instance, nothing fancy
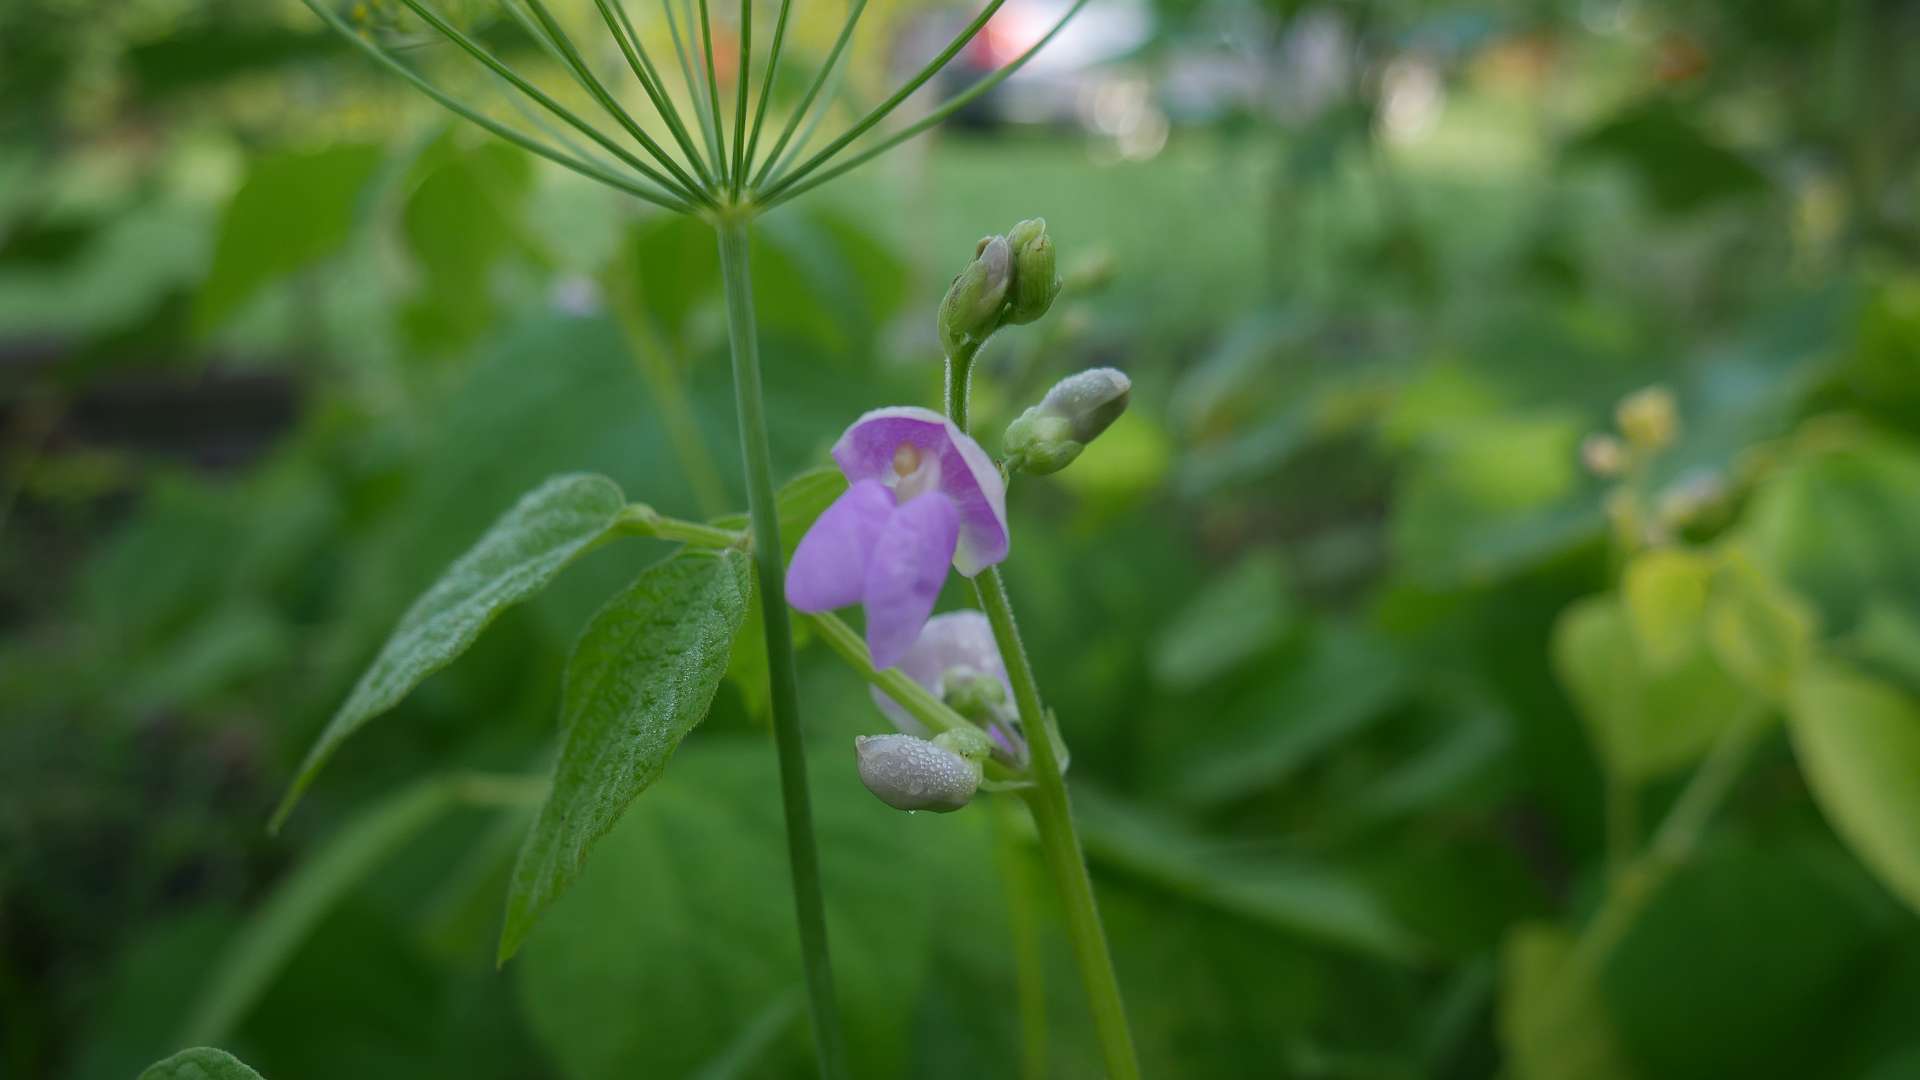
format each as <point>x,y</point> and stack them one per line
<point>854,10</point>
<point>802,852</point>
<point>1047,798</point>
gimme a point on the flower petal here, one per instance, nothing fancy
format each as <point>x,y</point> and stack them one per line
<point>967,474</point>
<point>949,640</point>
<point>908,567</point>
<point>829,568</point>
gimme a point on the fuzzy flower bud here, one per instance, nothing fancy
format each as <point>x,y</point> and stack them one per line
<point>1047,437</point>
<point>1035,281</point>
<point>910,773</point>
<point>972,308</point>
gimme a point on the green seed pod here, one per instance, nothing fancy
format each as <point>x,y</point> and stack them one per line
<point>972,309</point>
<point>1035,280</point>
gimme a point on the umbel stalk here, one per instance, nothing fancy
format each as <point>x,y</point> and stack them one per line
<point>803,853</point>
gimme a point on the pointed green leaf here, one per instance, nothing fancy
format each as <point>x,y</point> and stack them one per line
<point>1858,740</point>
<point>641,676</point>
<point>200,1063</point>
<point>292,210</point>
<point>523,551</point>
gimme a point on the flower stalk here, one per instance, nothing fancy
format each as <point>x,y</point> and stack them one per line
<point>1047,798</point>
<point>803,853</point>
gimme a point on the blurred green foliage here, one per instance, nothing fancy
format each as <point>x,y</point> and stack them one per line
<point>1388,718</point>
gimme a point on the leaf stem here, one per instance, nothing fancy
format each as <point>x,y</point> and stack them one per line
<point>802,852</point>
<point>1047,798</point>
<point>639,519</point>
<point>614,14</point>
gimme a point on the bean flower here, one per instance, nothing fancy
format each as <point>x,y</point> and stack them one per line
<point>956,659</point>
<point>923,496</point>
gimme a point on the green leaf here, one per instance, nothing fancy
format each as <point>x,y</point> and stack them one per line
<point>1239,616</point>
<point>200,1063</point>
<point>1665,591</point>
<point>1840,525</point>
<point>1645,719</point>
<point>643,674</point>
<point>1858,740</point>
<point>462,218</point>
<point>1758,629</point>
<point>1295,896</point>
<point>292,210</point>
<point>275,930</point>
<point>680,941</point>
<point>523,551</point>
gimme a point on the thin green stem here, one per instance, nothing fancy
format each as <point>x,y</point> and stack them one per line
<point>802,852</point>
<point>911,696</point>
<point>531,145</point>
<point>493,63</point>
<point>1047,798</point>
<point>614,13</point>
<point>1029,970</point>
<point>1674,843</point>
<point>639,519</point>
<point>1623,824</point>
<point>854,11</point>
<point>688,67</point>
<point>576,64</point>
<point>766,83</point>
<point>796,187</point>
<point>740,84</point>
<point>713,95</point>
<point>1060,842</point>
<point>881,111</point>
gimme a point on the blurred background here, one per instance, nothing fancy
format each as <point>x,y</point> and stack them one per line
<point>1366,729</point>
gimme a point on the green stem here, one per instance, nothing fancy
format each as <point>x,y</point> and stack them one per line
<point>1059,842</point>
<point>802,852</point>
<point>1047,798</point>
<point>639,519</point>
<point>1029,972</point>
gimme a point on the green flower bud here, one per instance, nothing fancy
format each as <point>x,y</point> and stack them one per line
<point>910,773</point>
<point>1035,281</point>
<point>972,693</point>
<point>971,311</point>
<point>1040,442</point>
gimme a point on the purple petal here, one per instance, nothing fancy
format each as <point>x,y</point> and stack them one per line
<point>967,474</point>
<point>950,640</point>
<point>904,577</point>
<point>829,568</point>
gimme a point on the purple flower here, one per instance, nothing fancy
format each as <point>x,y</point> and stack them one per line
<point>923,496</point>
<point>957,645</point>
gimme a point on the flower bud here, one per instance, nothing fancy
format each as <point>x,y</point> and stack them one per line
<point>973,693</point>
<point>1648,418</point>
<point>1035,281</point>
<point>971,311</point>
<point>1047,437</point>
<point>910,773</point>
